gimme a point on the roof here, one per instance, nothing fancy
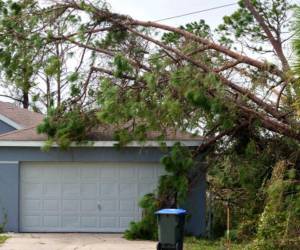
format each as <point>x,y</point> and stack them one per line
<point>22,117</point>
<point>29,120</point>
<point>26,134</point>
<point>104,133</point>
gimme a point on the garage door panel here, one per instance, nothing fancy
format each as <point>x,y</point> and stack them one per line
<point>128,190</point>
<point>89,172</point>
<point>51,221</point>
<point>144,188</point>
<point>51,174</point>
<point>125,221</point>
<point>83,197</point>
<point>89,206</point>
<point>128,173</point>
<point>89,222</point>
<point>52,190</point>
<point>31,221</point>
<point>51,205</point>
<point>32,190</point>
<point>109,189</point>
<point>70,221</point>
<point>109,173</point>
<point>32,172</point>
<point>108,205</point>
<point>128,205</point>
<point>71,190</point>
<point>70,205</point>
<point>147,173</point>
<point>89,190</point>
<point>70,174</point>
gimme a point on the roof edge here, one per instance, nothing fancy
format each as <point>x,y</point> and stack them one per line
<point>169,143</point>
<point>10,122</point>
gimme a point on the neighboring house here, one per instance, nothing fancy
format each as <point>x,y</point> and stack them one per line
<point>84,189</point>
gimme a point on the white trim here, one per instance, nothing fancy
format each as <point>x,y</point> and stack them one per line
<point>190,143</point>
<point>9,162</point>
<point>10,122</point>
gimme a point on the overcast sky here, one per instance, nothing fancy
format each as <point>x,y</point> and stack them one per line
<point>152,10</point>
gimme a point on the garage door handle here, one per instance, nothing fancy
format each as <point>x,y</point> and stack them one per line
<point>99,206</point>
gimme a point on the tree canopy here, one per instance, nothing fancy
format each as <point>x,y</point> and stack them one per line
<point>127,70</point>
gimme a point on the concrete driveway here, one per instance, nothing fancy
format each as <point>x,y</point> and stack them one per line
<point>66,241</point>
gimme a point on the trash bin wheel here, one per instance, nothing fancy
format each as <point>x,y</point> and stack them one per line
<point>159,246</point>
<point>179,246</point>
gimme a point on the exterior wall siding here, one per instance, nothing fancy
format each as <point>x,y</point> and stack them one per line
<point>9,195</point>
<point>5,128</point>
<point>9,176</point>
<point>196,207</point>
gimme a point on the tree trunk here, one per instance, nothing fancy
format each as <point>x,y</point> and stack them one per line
<point>25,100</point>
<point>48,93</point>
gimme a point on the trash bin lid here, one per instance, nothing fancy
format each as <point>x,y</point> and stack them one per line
<point>177,211</point>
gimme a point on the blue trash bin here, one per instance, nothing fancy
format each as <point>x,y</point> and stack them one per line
<point>170,228</point>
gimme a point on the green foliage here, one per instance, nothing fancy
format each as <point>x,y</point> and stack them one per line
<point>279,223</point>
<point>115,36</point>
<point>237,174</point>
<point>3,238</point>
<point>122,66</point>
<point>296,40</point>
<point>53,66</point>
<point>73,77</point>
<point>203,244</point>
<point>198,28</point>
<point>171,192</point>
<point>173,187</point>
<point>19,44</point>
<point>72,125</point>
<point>147,227</point>
<point>242,24</point>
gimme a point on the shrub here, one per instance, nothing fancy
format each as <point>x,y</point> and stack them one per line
<point>146,228</point>
<point>171,191</point>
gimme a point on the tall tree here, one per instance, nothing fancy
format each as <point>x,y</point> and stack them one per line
<point>185,80</point>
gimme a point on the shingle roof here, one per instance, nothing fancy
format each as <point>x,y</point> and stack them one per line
<point>30,120</point>
<point>27,134</point>
<point>23,117</point>
<point>103,134</point>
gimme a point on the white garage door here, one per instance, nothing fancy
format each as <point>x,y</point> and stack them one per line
<point>83,197</point>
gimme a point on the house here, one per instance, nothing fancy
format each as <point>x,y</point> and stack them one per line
<point>92,188</point>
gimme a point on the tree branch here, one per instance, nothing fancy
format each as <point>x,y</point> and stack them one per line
<point>275,43</point>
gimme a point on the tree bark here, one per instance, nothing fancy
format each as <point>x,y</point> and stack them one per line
<point>25,100</point>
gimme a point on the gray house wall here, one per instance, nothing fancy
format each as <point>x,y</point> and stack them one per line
<point>11,157</point>
<point>196,205</point>
<point>9,195</point>
<point>4,128</point>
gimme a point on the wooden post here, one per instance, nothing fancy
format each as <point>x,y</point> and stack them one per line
<point>228,225</point>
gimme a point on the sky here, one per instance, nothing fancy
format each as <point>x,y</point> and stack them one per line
<point>151,10</point>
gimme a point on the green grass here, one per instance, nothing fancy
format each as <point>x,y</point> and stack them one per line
<point>3,238</point>
<point>200,244</point>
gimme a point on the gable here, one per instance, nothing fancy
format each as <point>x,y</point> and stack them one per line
<point>5,128</point>
<point>18,117</point>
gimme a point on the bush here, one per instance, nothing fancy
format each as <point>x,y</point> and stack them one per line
<point>279,223</point>
<point>247,230</point>
<point>172,190</point>
<point>145,229</point>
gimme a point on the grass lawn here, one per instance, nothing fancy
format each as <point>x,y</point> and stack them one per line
<point>3,238</point>
<point>195,244</point>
